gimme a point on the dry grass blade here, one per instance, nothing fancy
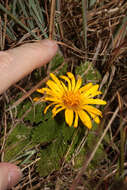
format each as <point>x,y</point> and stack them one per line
<point>86,162</point>
<point>84,12</point>
<point>17,21</point>
<point>52,19</point>
<point>95,31</point>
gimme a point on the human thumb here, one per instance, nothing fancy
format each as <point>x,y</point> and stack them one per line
<point>9,175</point>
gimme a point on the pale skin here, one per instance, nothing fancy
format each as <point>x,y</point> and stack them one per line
<point>14,65</point>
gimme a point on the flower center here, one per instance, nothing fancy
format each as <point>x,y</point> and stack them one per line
<point>71,99</point>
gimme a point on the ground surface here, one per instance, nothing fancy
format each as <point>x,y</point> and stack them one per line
<point>92,44</point>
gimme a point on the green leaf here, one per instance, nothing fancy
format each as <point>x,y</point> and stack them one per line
<point>88,72</point>
<point>55,137</point>
<point>51,158</point>
<point>17,140</point>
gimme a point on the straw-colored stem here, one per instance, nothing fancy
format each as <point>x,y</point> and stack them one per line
<point>90,157</point>
<point>84,15</point>
<point>122,143</point>
<point>122,139</point>
<point>52,19</point>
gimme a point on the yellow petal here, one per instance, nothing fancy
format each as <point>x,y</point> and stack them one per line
<point>53,99</point>
<point>38,99</point>
<point>68,81</point>
<point>48,91</point>
<point>47,107</point>
<point>92,90</point>
<point>85,118</point>
<point>52,93</point>
<point>64,86</point>
<point>69,116</point>
<point>97,120</point>
<point>57,109</point>
<point>78,84</point>
<point>54,87</point>
<point>40,90</point>
<point>86,87</point>
<point>95,101</point>
<point>92,109</point>
<point>57,81</point>
<point>76,120</point>
<point>95,117</point>
<point>71,76</point>
<point>95,94</point>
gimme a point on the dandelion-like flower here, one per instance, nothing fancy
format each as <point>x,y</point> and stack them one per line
<point>72,98</point>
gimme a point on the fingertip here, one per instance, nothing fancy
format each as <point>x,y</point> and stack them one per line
<point>33,55</point>
<point>49,48</point>
<point>9,175</point>
<point>14,175</point>
<point>50,43</point>
<point>18,62</point>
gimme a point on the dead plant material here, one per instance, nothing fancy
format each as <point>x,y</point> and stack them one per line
<point>105,48</point>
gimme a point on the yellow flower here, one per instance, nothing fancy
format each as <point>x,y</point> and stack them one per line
<point>72,98</point>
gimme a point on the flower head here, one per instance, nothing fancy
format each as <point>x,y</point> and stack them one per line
<point>72,98</point>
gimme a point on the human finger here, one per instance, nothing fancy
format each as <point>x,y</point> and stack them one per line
<point>9,175</point>
<point>18,62</point>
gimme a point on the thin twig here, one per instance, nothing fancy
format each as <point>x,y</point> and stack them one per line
<point>4,138</point>
<point>52,19</point>
<point>84,14</point>
<point>86,162</point>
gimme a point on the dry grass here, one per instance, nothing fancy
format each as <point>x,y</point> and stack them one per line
<point>105,46</point>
